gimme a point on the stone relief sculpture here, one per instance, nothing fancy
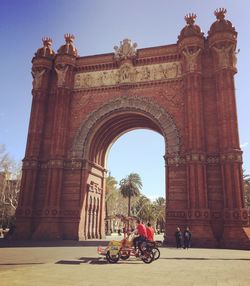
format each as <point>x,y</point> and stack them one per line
<point>37,77</point>
<point>127,50</point>
<point>127,73</point>
<point>61,71</point>
<point>191,58</point>
<point>223,55</point>
<point>235,58</point>
<point>145,73</point>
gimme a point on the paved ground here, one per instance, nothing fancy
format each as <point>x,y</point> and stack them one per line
<point>78,264</point>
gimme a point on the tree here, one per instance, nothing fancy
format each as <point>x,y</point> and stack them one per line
<point>160,208</point>
<point>144,209</point>
<point>246,182</point>
<point>111,194</point>
<point>130,187</point>
<point>10,178</point>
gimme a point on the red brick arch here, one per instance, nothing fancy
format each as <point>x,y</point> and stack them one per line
<point>118,116</point>
<point>81,105</point>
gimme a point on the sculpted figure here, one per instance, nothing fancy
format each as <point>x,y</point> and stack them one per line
<point>191,58</point>
<point>223,55</point>
<point>235,58</point>
<point>88,80</point>
<point>126,74</point>
<point>146,73</point>
<point>161,72</point>
<point>37,77</point>
<point>78,80</point>
<point>61,71</point>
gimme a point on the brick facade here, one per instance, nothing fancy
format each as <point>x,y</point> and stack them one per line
<point>81,105</point>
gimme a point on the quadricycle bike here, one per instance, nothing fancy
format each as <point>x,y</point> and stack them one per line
<point>124,249</point>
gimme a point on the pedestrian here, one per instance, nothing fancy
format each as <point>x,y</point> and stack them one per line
<point>178,238</point>
<point>150,232</point>
<point>187,238</point>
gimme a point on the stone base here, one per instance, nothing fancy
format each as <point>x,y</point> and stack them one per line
<point>47,231</point>
<point>202,235</point>
<point>22,230</point>
<point>236,237</point>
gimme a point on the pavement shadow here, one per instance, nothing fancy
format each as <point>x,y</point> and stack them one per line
<point>24,263</point>
<point>58,243</point>
<point>95,260</point>
<point>84,260</point>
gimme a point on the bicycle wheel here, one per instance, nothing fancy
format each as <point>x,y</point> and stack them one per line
<point>147,256</point>
<point>112,258</point>
<point>156,253</point>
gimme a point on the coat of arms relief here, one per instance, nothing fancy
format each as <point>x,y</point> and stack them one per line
<point>127,72</point>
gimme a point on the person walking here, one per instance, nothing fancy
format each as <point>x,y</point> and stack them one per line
<point>187,238</point>
<point>178,238</point>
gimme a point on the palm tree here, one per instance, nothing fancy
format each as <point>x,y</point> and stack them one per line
<point>130,187</point>
<point>144,209</point>
<point>111,184</point>
<point>159,206</point>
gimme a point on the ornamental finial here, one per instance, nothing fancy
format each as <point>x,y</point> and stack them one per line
<point>190,18</point>
<point>47,42</point>
<point>69,38</point>
<point>127,50</point>
<point>220,13</point>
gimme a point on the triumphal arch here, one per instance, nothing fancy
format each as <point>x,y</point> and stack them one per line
<point>184,91</point>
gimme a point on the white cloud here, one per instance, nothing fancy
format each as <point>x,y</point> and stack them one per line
<point>245,144</point>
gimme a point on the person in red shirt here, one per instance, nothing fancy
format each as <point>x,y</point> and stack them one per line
<point>150,232</point>
<point>141,231</point>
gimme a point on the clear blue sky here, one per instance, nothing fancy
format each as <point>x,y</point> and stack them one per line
<point>98,26</point>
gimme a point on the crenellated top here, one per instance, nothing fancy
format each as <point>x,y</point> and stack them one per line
<point>221,24</point>
<point>68,48</point>
<point>191,29</point>
<point>46,51</point>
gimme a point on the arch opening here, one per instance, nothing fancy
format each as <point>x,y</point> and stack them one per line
<point>97,135</point>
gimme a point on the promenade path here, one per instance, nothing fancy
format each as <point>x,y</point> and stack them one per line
<point>78,264</point>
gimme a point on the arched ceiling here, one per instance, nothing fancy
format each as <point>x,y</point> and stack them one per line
<point>106,124</point>
<point>113,128</point>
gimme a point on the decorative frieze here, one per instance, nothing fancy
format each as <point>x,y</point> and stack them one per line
<point>30,164</point>
<point>56,212</point>
<point>176,214</point>
<point>175,160</point>
<point>67,164</point>
<point>213,159</point>
<point>231,157</point>
<point>209,159</point>
<point>73,164</point>
<point>55,163</point>
<point>231,215</point>
<point>127,73</point>
<point>198,214</point>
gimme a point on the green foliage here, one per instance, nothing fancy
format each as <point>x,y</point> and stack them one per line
<point>160,209</point>
<point>111,195</point>
<point>130,187</point>
<point>144,209</point>
<point>246,184</point>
